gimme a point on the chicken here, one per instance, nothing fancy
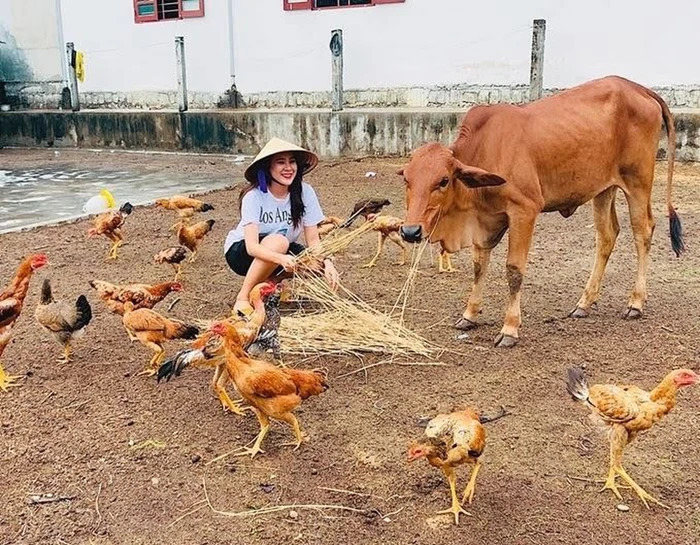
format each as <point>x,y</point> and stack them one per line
<point>153,330</point>
<point>387,227</point>
<point>364,208</point>
<point>191,235</point>
<point>272,392</point>
<point>65,321</point>
<point>11,302</point>
<point>627,411</point>
<point>207,350</point>
<point>328,224</point>
<point>186,207</point>
<point>268,335</point>
<point>141,295</point>
<point>109,225</point>
<point>452,440</point>
<point>174,256</point>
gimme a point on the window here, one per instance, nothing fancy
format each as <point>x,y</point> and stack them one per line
<point>293,5</point>
<point>159,10</point>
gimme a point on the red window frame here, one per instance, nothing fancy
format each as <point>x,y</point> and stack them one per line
<point>154,15</point>
<point>296,5</point>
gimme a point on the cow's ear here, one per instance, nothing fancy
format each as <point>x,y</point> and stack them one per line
<point>475,177</point>
<point>399,172</point>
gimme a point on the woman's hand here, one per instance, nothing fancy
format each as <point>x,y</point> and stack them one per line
<point>331,274</point>
<point>287,262</point>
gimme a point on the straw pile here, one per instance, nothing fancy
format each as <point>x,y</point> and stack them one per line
<point>342,322</point>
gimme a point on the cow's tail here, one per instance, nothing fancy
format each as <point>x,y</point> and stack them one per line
<point>675,227</point>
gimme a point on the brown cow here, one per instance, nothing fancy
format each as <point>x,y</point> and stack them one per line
<point>509,163</point>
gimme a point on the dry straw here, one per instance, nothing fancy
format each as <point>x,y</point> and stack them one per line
<point>341,323</point>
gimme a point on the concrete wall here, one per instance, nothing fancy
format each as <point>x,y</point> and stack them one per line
<point>350,133</point>
<point>416,53</point>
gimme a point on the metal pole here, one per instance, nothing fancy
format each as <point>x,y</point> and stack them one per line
<point>181,73</point>
<point>72,78</point>
<point>336,46</point>
<point>537,58</point>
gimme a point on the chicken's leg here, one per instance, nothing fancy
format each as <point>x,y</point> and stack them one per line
<point>456,508</point>
<point>380,245</point>
<point>290,419</point>
<point>7,381</point>
<point>178,271</point>
<point>219,386</point>
<point>471,486</point>
<point>396,238</point>
<point>445,262</point>
<point>193,257</point>
<point>643,494</point>
<point>67,352</point>
<point>617,441</point>
<point>264,427</point>
<point>155,361</point>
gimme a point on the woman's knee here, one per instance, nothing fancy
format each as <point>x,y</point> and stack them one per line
<point>276,242</point>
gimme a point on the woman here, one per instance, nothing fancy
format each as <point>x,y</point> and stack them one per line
<point>277,207</point>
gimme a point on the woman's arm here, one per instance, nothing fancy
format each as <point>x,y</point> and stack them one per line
<point>255,249</point>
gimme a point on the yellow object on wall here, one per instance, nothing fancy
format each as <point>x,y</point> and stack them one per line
<point>80,66</point>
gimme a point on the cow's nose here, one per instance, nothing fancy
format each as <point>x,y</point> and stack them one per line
<point>411,233</point>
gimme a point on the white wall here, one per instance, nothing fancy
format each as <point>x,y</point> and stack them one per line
<point>124,56</point>
<point>428,42</point>
<point>31,48</point>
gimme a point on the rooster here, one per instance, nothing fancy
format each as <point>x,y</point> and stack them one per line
<point>451,440</point>
<point>63,320</point>
<point>141,295</point>
<point>174,256</point>
<point>208,351</point>
<point>627,411</point>
<point>109,225</point>
<point>271,392</point>
<point>11,302</point>
<point>364,208</point>
<point>387,227</point>
<point>191,235</point>
<point>152,330</point>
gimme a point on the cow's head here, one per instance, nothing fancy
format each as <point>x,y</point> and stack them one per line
<point>434,182</point>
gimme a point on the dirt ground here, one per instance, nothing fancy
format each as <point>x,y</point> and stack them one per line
<point>67,429</point>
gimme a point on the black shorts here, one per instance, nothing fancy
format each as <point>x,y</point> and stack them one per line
<point>239,260</point>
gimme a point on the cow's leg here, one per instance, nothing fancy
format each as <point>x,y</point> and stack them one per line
<point>519,240</point>
<point>480,258</point>
<point>607,229</point>
<point>643,224</point>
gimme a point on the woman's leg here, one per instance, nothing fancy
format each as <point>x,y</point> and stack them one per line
<point>260,270</point>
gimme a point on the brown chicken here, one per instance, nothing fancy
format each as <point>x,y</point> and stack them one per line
<point>387,227</point>
<point>452,440</point>
<point>272,392</point>
<point>153,330</point>
<point>141,295</point>
<point>186,207</point>
<point>174,256</point>
<point>627,411</point>
<point>11,302</point>
<point>207,350</point>
<point>191,235</point>
<point>364,208</point>
<point>109,225</point>
<point>65,321</point>
<point>328,224</point>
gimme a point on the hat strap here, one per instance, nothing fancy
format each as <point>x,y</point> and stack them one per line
<point>262,179</point>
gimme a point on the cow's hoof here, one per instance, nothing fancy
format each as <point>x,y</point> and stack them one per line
<point>505,341</point>
<point>579,312</point>
<point>632,314</point>
<point>465,325</point>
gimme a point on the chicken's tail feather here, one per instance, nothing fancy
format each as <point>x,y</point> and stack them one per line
<point>83,313</point>
<point>576,384</point>
<point>180,330</point>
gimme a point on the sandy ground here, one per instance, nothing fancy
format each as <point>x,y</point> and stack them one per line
<point>67,429</point>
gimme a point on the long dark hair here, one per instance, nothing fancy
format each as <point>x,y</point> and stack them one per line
<point>295,189</point>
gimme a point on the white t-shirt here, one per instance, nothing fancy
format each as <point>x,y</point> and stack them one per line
<point>273,215</point>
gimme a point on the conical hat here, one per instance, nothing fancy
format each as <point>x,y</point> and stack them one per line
<point>277,145</point>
